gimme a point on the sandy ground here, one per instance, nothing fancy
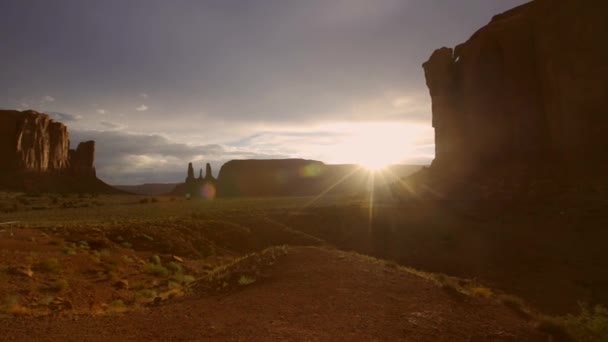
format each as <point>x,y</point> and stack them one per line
<point>311,294</point>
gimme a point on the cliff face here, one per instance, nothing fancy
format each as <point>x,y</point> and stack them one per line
<point>40,144</point>
<point>527,90</point>
<point>35,155</point>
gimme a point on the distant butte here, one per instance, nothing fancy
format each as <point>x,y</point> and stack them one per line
<point>35,156</point>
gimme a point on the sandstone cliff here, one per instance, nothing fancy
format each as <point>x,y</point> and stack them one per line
<point>526,93</point>
<point>35,155</point>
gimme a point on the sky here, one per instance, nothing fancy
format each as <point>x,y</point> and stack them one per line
<point>158,83</point>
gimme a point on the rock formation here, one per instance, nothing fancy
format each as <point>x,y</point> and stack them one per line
<point>526,93</point>
<point>298,177</point>
<point>200,187</point>
<point>35,155</point>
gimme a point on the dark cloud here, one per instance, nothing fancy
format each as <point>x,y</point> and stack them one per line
<point>245,72</point>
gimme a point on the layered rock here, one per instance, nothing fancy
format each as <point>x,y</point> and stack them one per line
<point>527,91</point>
<point>35,155</point>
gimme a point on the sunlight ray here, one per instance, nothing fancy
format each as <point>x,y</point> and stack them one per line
<point>338,182</point>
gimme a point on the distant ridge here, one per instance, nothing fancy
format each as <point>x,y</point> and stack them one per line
<point>295,177</point>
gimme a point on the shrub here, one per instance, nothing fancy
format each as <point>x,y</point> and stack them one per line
<point>590,325</point>
<point>482,292</point>
<point>515,304</point>
<point>246,280</point>
<point>156,270</point>
<point>118,303</point>
<point>174,267</point>
<point>50,265</point>
<point>59,285</point>
<point>155,259</point>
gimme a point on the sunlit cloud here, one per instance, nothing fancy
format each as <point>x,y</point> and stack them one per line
<point>48,98</point>
<point>101,111</point>
<point>141,108</point>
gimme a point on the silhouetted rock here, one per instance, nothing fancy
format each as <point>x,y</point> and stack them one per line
<point>197,187</point>
<point>299,177</point>
<point>208,173</point>
<point>190,172</point>
<point>525,94</point>
<point>35,156</point>
<point>82,159</point>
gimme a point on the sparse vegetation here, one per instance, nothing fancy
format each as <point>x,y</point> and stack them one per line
<point>58,285</point>
<point>516,304</point>
<point>157,270</point>
<point>246,280</point>
<point>50,265</point>
<point>590,325</point>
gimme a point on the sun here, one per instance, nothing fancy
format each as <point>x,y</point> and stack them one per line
<point>374,146</point>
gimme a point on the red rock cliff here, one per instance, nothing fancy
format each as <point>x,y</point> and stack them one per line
<point>530,89</point>
<point>35,155</point>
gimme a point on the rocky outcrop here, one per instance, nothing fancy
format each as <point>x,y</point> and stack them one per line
<point>200,187</point>
<point>32,142</point>
<point>82,159</point>
<point>36,156</point>
<point>526,92</point>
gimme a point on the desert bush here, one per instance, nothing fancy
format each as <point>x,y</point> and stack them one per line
<point>246,280</point>
<point>59,285</point>
<point>69,251</point>
<point>516,304</point>
<point>157,270</point>
<point>155,259</point>
<point>50,265</point>
<point>174,267</point>
<point>590,325</point>
<point>146,293</point>
<point>480,291</point>
<point>118,303</point>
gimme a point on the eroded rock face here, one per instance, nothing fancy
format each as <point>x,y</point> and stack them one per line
<point>527,90</point>
<point>32,142</point>
<point>35,155</point>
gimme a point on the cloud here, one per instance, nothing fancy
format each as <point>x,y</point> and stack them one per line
<point>112,125</point>
<point>64,117</point>
<point>144,95</point>
<point>141,108</point>
<point>48,98</point>
<point>101,111</point>
<point>129,158</point>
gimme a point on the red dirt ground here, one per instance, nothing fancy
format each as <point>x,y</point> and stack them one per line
<point>311,294</point>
